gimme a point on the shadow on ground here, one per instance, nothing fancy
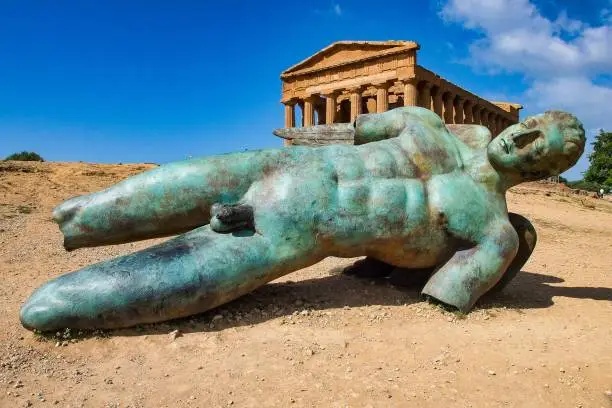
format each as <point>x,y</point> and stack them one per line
<point>527,291</point>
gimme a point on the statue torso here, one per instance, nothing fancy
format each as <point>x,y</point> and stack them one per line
<point>410,200</point>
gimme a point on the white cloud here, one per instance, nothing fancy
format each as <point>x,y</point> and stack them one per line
<point>560,59</point>
<point>334,10</point>
<point>337,9</point>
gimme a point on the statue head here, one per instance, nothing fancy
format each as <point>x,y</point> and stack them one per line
<point>538,147</point>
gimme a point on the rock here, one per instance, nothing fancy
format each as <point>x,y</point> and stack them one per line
<point>174,334</point>
<point>217,317</point>
<point>491,372</point>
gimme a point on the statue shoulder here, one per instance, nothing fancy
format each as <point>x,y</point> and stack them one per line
<point>474,136</point>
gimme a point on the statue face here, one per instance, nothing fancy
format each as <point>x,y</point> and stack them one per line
<point>528,148</point>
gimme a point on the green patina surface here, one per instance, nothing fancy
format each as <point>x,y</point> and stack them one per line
<point>409,194</point>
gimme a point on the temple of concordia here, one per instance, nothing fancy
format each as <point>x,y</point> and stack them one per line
<point>348,78</point>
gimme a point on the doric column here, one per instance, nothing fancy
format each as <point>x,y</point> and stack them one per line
<point>499,124</point>
<point>330,107</point>
<point>425,95</point>
<point>459,101</point>
<point>309,111</point>
<point>448,107</point>
<point>476,115</point>
<point>438,102</point>
<point>382,97</point>
<point>467,112</point>
<point>289,114</point>
<point>491,122</point>
<point>484,117</point>
<point>411,92</point>
<point>355,102</point>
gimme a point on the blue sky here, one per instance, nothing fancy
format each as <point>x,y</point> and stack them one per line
<point>157,81</point>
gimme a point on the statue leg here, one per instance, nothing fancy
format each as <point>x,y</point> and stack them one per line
<point>168,200</point>
<point>527,242</point>
<point>189,274</point>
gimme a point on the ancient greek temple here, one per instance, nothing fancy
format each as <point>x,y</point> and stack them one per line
<point>348,78</point>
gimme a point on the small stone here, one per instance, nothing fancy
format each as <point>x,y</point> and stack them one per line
<point>217,317</point>
<point>491,372</point>
<point>308,352</point>
<point>562,370</point>
<point>546,386</point>
<point>174,334</point>
<point>192,397</point>
<point>608,393</point>
<point>57,344</point>
<point>230,402</point>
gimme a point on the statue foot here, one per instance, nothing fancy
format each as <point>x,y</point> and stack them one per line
<point>369,268</point>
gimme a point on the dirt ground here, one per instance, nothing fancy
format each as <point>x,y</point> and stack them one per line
<point>316,338</point>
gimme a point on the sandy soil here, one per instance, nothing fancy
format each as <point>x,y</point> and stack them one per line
<point>317,338</point>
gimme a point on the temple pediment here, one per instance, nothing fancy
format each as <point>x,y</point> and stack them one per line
<point>346,52</point>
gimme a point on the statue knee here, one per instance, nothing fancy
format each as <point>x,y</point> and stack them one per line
<point>527,241</point>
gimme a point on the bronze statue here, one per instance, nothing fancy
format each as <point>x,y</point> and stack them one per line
<point>410,194</point>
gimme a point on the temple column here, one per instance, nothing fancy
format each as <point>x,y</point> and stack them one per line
<point>410,92</point>
<point>382,97</point>
<point>467,112</point>
<point>458,105</point>
<point>484,117</point>
<point>355,103</point>
<point>491,122</point>
<point>500,124</point>
<point>289,114</point>
<point>426,95</point>
<point>448,107</point>
<point>330,107</point>
<point>438,102</point>
<point>308,111</point>
<point>476,114</point>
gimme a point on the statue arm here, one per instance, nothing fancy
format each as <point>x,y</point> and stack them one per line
<point>373,127</point>
<point>470,273</point>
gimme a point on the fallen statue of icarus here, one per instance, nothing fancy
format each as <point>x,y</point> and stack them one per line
<point>410,194</point>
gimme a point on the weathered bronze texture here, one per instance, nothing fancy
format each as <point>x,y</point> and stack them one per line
<point>410,194</point>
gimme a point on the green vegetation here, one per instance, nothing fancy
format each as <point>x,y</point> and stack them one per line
<point>600,169</point>
<point>599,173</point>
<point>25,156</point>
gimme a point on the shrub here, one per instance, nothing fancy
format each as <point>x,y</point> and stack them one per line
<point>25,156</point>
